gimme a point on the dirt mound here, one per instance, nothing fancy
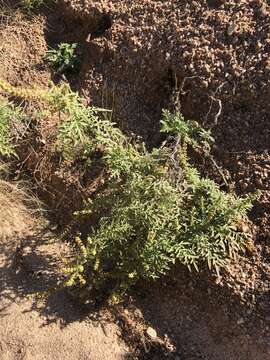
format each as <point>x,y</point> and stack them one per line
<point>21,51</point>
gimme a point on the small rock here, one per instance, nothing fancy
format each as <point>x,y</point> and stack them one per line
<point>240,321</point>
<point>231,29</point>
<point>151,333</point>
<point>264,11</point>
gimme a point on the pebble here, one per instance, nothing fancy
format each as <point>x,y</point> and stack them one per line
<point>151,332</point>
<point>240,321</point>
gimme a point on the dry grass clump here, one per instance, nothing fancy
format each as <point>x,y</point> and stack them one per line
<point>15,209</point>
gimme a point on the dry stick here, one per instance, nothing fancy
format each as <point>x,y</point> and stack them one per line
<point>174,157</point>
<point>188,78</point>
<point>219,170</point>
<point>219,109</point>
<point>213,98</point>
<point>180,90</point>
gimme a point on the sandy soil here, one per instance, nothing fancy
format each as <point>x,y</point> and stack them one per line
<point>30,329</point>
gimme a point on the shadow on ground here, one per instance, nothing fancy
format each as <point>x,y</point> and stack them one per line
<point>194,317</point>
<point>30,268</point>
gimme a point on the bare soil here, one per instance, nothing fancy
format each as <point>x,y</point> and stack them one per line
<point>57,329</point>
<point>134,55</point>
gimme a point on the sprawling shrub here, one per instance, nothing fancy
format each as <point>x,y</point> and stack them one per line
<point>155,209</point>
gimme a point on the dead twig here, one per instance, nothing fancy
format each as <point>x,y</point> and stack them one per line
<point>219,170</point>
<point>179,90</point>
<point>215,99</point>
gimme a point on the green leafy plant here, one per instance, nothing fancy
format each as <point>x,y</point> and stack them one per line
<point>154,209</point>
<point>63,58</point>
<point>189,131</point>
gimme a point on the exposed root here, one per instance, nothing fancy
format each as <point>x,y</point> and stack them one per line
<point>213,98</point>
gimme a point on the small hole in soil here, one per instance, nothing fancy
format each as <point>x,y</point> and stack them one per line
<point>105,23</point>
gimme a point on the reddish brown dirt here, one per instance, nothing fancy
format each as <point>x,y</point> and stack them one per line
<point>222,50</point>
<point>199,320</point>
<point>220,47</point>
<point>22,46</point>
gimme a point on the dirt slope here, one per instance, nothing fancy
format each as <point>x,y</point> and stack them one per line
<point>136,52</point>
<point>139,49</point>
<point>214,53</point>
